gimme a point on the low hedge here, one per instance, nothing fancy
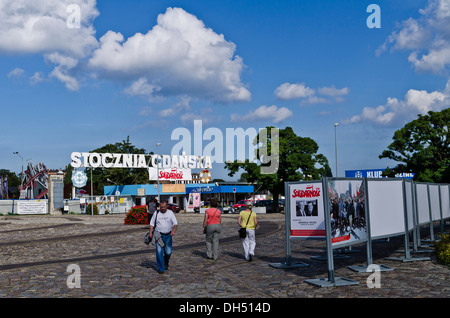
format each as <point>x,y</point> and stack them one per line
<point>137,215</point>
<point>442,249</point>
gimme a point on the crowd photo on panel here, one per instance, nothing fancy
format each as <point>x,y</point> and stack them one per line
<point>347,213</point>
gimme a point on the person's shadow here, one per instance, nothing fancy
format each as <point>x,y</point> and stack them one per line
<point>149,265</point>
<point>235,255</point>
<point>200,253</point>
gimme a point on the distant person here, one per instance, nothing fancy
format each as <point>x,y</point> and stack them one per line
<point>247,219</point>
<point>212,227</point>
<point>165,224</point>
<point>151,207</point>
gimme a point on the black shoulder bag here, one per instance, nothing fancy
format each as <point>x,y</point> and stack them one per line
<point>243,230</point>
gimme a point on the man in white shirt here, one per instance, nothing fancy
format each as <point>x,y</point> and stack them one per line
<point>166,225</point>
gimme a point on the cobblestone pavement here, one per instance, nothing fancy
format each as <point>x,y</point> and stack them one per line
<point>114,262</point>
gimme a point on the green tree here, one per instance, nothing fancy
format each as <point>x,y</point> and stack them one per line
<point>13,180</point>
<point>422,147</point>
<point>297,160</point>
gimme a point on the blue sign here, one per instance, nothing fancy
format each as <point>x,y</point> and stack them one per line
<point>190,188</point>
<point>200,189</point>
<point>375,173</point>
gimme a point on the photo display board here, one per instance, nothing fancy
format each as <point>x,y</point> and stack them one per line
<point>387,211</point>
<point>347,211</point>
<point>434,202</point>
<point>307,210</point>
<point>423,209</point>
<point>409,197</point>
<point>445,200</point>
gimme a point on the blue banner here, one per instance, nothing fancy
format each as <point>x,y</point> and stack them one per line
<point>190,188</point>
<point>375,173</point>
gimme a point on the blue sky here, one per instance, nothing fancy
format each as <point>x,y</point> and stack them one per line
<point>143,68</point>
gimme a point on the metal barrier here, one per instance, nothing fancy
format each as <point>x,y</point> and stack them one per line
<point>105,204</point>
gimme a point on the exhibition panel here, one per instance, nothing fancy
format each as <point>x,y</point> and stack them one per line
<point>350,211</point>
<point>423,207</point>
<point>445,200</point>
<point>386,205</point>
<point>434,202</point>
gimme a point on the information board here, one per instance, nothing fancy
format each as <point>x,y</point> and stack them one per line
<point>307,210</point>
<point>32,207</point>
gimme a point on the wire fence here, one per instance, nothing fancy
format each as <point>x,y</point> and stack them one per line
<point>104,205</point>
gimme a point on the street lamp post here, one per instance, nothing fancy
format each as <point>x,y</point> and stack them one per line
<point>92,194</point>
<point>157,170</point>
<point>335,144</point>
<point>21,176</point>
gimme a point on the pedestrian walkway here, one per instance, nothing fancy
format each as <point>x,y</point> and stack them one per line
<point>114,262</point>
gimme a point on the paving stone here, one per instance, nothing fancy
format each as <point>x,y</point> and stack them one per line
<point>114,262</point>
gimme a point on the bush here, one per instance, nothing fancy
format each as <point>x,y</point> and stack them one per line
<point>137,215</point>
<point>443,249</point>
<point>89,209</point>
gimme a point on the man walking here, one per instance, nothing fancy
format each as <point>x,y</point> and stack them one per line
<point>165,225</point>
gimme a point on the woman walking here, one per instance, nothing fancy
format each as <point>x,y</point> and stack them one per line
<point>212,227</point>
<point>247,219</point>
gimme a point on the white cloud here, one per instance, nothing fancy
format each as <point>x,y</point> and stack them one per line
<point>427,37</point>
<point>63,69</point>
<point>333,91</point>
<point>179,54</point>
<point>293,91</point>
<point>437,59</point>
<point>63,75</point>
<point>204,114</point>
<point>272,113</point>
<point>314,100</point>
<point>141,87</point>
<point>183,104</point>
<point>397,112</point>
<point>307,95</point>
<point>376,115</point>
<point>17,72</point>
<point>36,78</point>
<point>40,27</point>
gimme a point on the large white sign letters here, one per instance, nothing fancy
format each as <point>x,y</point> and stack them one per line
<point>119,160</point>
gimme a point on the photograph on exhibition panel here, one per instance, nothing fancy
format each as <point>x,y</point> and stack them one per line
<point>347,211</point>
